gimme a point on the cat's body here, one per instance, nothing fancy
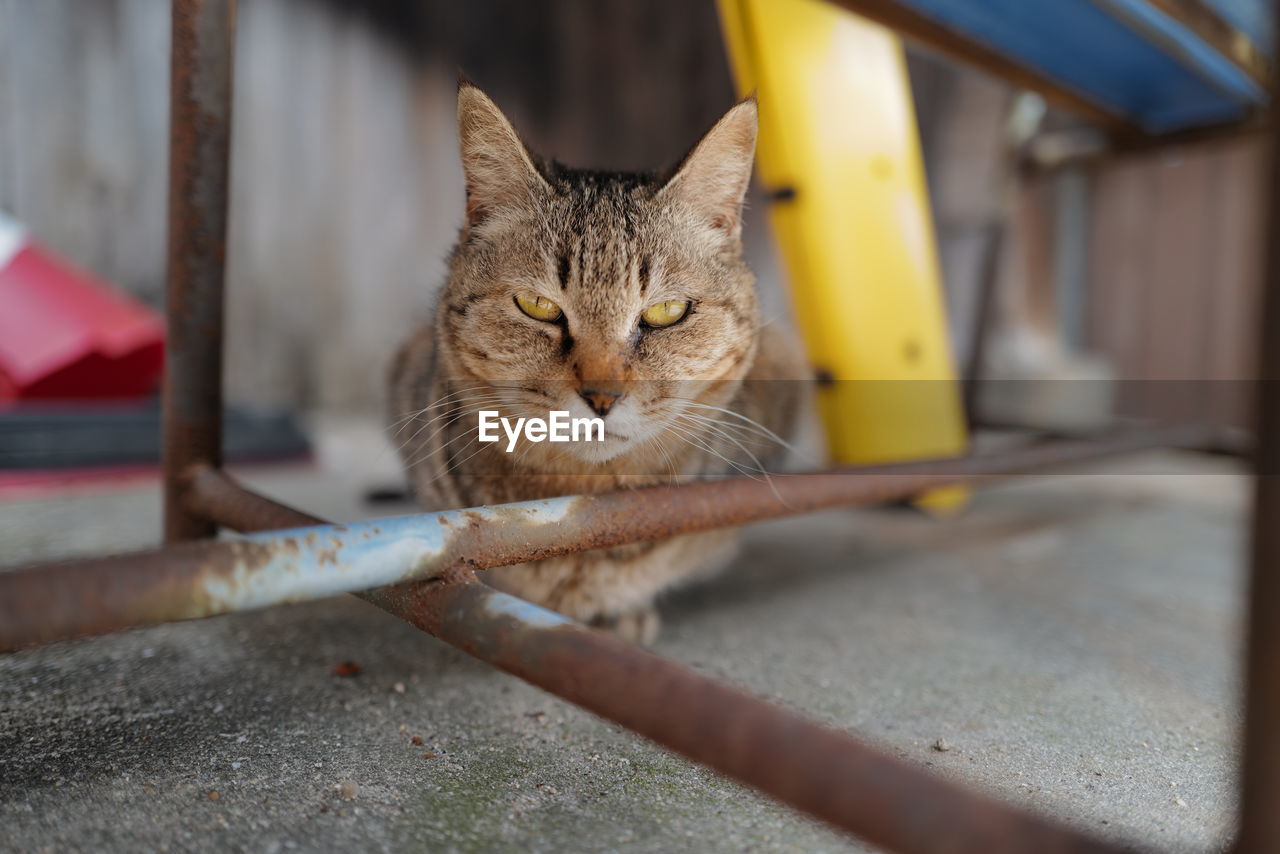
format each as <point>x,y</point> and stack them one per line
<point>560,296</point>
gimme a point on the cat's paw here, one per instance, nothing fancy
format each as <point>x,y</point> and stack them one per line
<point>639,626</point>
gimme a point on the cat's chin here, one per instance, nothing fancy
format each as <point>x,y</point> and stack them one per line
<point>600,453</point>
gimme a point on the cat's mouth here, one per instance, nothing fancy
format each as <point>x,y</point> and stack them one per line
<point>613,446</point>
<point>610,448</point>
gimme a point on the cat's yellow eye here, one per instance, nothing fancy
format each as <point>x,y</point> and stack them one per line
<point>665,313</point>
<point>539,308</point>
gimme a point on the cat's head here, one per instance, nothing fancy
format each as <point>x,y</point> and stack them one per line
<point>613,295</point>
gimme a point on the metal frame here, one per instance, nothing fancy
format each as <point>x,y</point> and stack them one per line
<point>1196,15</point>
<point>884,800</point>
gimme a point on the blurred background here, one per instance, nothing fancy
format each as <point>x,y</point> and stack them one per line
<point>1092,262</point>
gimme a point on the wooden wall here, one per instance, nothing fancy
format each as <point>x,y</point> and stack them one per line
<point>83,154</point>
<point>346,191</point>
<point>1174,276</point>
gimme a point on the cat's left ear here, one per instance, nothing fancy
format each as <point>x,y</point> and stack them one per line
<point>713,177</point>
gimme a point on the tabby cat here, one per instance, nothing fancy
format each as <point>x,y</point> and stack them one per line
<point>620,296</point>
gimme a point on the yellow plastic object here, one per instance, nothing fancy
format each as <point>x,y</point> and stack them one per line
<point>839,150</point>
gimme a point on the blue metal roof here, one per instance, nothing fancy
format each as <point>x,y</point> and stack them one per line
<point>1125,55</point>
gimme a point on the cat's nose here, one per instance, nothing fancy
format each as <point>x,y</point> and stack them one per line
<point>600,401</point>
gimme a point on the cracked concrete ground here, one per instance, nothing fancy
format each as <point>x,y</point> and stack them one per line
<point>1072,641</point>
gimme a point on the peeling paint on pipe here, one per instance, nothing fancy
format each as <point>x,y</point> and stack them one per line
<point>51,602</point>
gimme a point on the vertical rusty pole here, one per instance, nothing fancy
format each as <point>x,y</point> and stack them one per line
<point>199,161</point>
<point>1260,796</point>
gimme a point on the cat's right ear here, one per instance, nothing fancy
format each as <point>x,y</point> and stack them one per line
<point>500,172</point>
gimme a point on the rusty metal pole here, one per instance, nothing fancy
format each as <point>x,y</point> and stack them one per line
<point>51,602</point>
<point>820,771</point>
<point>891,803</point>
<point>199,185</point>
<point>1260,795</point>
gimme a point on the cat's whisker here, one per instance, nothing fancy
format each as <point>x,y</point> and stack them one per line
<point>473,403</point>
<point>765,431</point>
<point>478,402</point>
<point>453,399</point>
<point>439,402</point>
<point>527,390</point>
<point>741,430</point>
<point>448,406</point>
<point>458,463</point>
<point>746,421</point>
<point>508,396</point>
<point>453,416</point>
<point>459,416</point>
<point>767,476</point>
<point>666,455</point>
<point>721,427</point>
<point>718,430</point>
<point>444,450</point>
<point>692,438</point>
<point>716,433</point>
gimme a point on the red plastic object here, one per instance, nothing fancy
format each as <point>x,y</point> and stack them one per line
<point>68,335</point>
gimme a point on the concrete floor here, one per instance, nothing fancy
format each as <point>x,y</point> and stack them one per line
<point>1073,641</point>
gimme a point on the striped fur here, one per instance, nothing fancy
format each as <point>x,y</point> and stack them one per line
<point>603,246</point>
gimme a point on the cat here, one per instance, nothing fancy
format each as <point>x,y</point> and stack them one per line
<point>618,296</point>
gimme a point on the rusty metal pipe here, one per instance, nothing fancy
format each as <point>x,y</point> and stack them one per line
<point>58,601</point>
<point>825,773</point>
<point>199,168</point>
<point>1260,761</point>
<point>820,771</point>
